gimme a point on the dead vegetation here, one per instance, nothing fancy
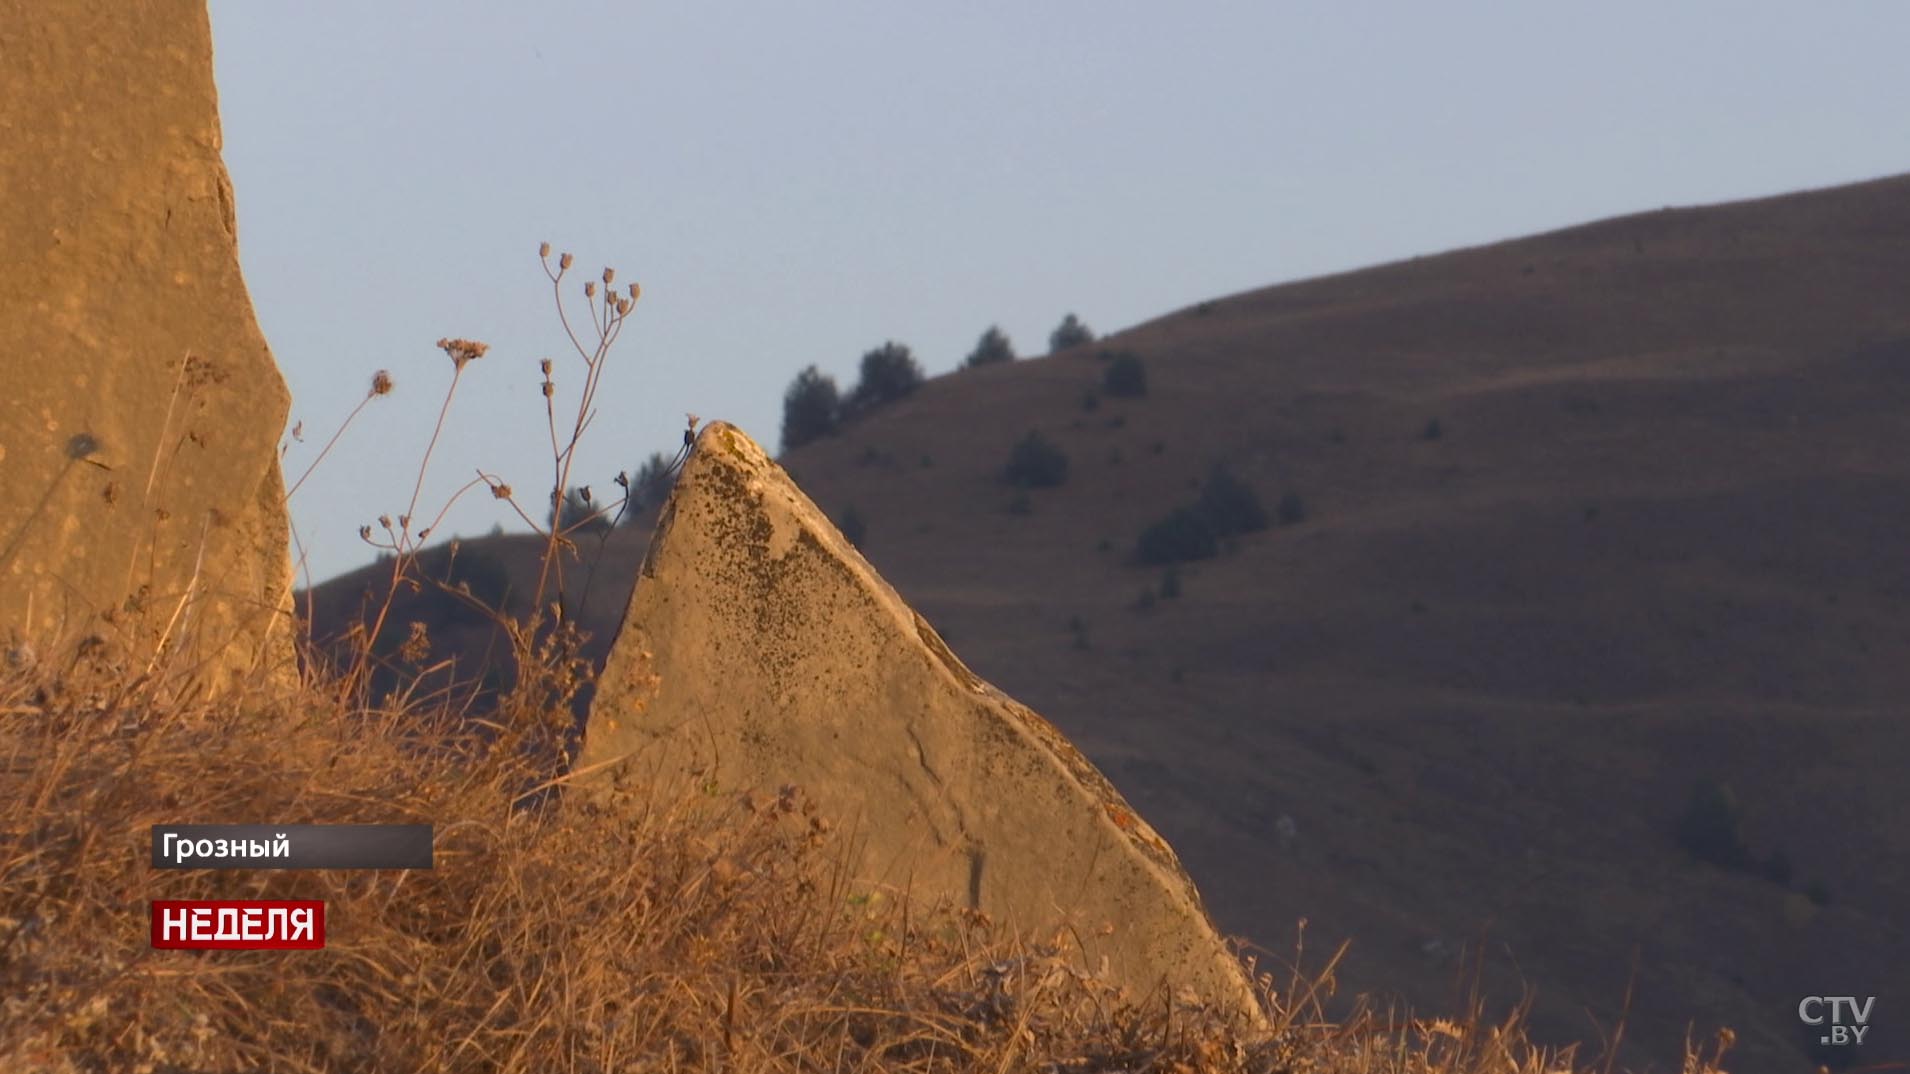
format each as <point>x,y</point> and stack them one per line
<point>675,932</point>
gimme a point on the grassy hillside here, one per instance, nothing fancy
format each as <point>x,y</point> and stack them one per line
<point>1588,518</point>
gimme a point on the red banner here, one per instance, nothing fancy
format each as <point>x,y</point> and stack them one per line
<point>238,924</point>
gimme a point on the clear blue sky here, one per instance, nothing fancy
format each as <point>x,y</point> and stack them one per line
<point>796,183</point>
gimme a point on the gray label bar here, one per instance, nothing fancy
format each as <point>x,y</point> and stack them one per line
<point>292,846</point>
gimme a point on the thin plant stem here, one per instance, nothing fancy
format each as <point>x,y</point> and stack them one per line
<point>456,375</point>
<point>326,450</point>
<point>404,551</point>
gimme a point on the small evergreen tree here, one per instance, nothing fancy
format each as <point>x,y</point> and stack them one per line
<point>1070,333</point>
<point>811,408</point>
<point>1125,376</point>
<point>991,348</point>
<point>889,372</point>
<point>1036,462</point>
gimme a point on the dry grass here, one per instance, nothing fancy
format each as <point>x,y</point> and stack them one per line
<point>659,930</point>
<point>676,932</point>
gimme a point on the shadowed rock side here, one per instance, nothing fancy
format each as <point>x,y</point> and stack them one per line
<point>760,649</point>
<point>140,496</point>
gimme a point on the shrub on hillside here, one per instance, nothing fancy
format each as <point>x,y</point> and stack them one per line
<point>1184,534</point>
<point>812,408</point>
<point>1069,333</point>
<point>1035,462</point>
<point>1226,507</point>
<point>1229,505</point>
<point>1711,827</point>
<point>889,372</point>
<point>1125,376</point>
<point>992,348</point>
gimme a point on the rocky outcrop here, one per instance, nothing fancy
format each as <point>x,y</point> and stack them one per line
<point>141,505</point>
<point>760,649</point>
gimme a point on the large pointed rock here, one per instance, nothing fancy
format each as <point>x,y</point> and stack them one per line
<point>140,499</point>
<point>760,649</point>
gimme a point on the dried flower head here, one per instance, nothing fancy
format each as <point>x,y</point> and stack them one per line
<point>384,521</point>
<point>609,274</point>
<point>623,307</point>
<point>564,262</point>
<point>543,366</point>
<point>381,382</point>
<point>463,350</point>
<point>501,491</point>
<point>417,644</point>
<point>635,291</point>
<point>590,289</point>
<point>693,421</point>
<point>364,533</point>
<point>543,249</point>
<point>550,389</point>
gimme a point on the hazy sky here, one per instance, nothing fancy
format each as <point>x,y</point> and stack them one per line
<point>796,183</point>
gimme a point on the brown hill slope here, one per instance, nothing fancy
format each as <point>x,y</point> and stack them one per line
<point>1658,538</point>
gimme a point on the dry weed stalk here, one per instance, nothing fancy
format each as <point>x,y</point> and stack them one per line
<point>544,629</point>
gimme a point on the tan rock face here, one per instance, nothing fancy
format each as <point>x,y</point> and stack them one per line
<point>760,649</point>
<point>140,495</point>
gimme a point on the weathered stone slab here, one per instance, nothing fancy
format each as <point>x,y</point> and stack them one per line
<point>140,497</point>
<point>760,649</point>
